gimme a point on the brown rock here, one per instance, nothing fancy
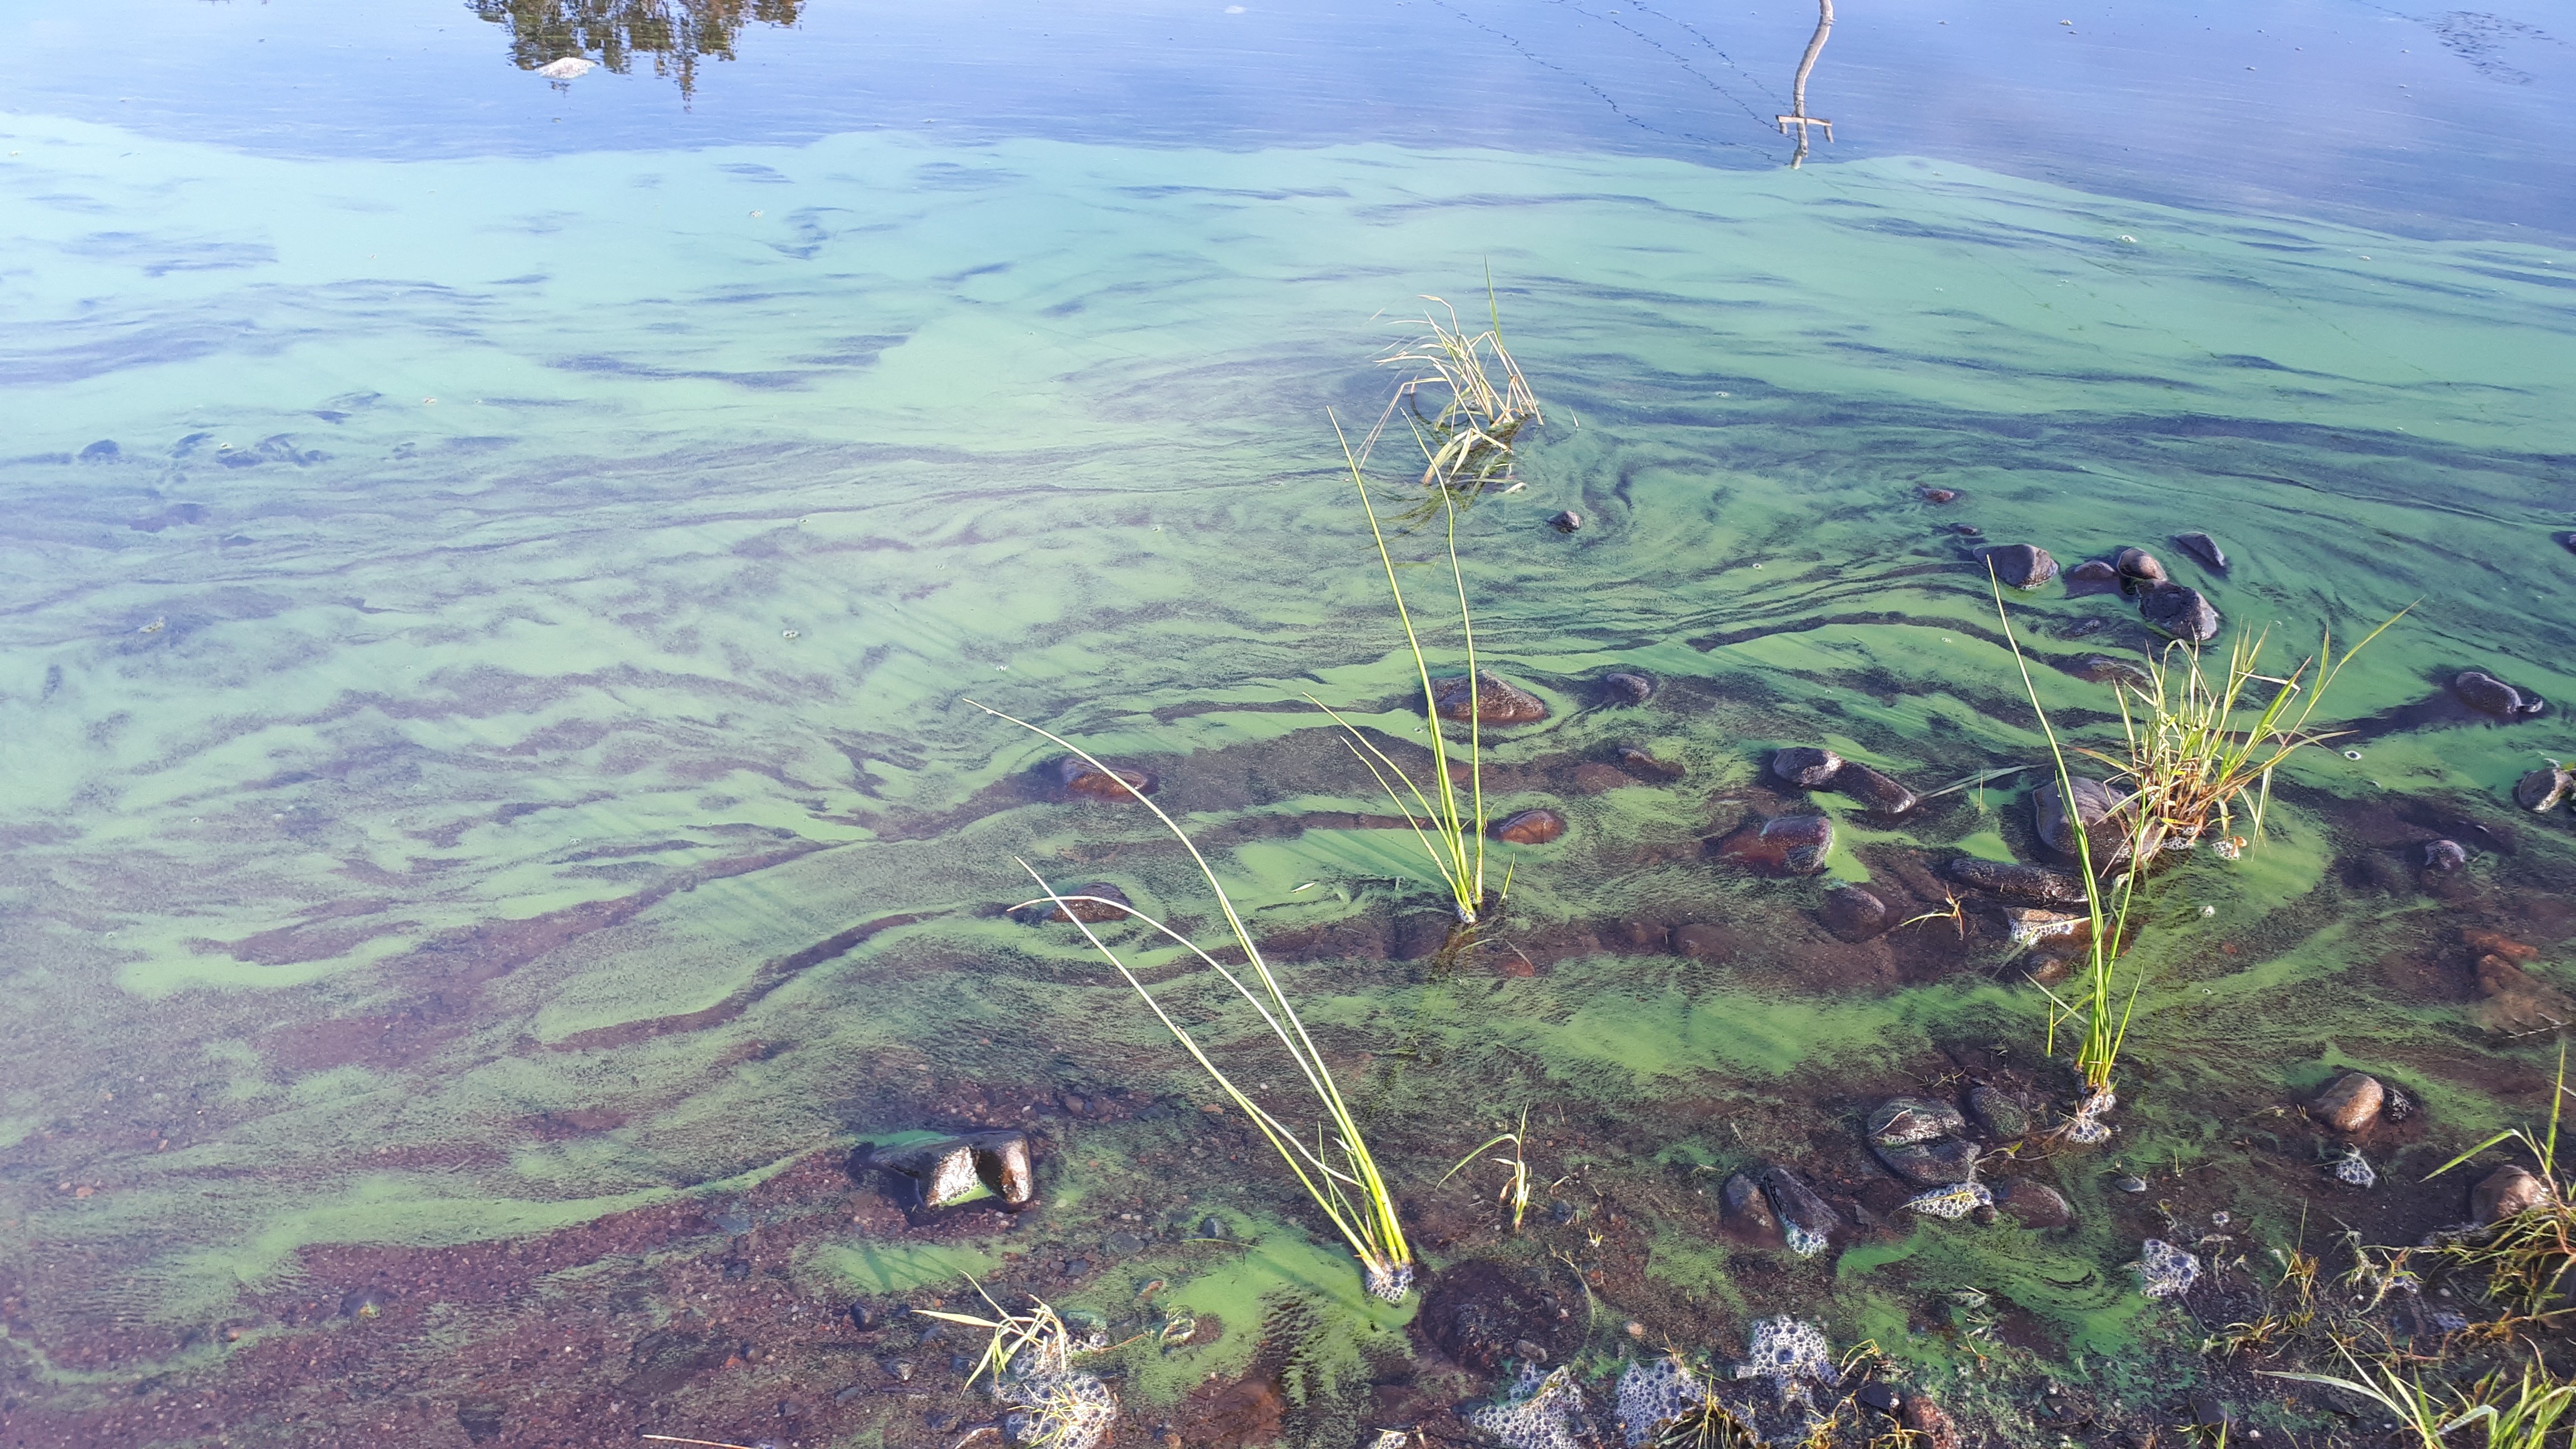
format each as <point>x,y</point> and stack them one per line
<point>2020,565</point>
<point>2516,1001</point>
<point>1742,1207</point>
<point>2494,943</point>
<point>2014,881</point>
<point>2036,1204</point>
<point>2543,790</point>
<point>1082,781</point>
<point>1940,495</point>
<point>1494,700</point>
<point>2504,1192</point>
<point>1790,845</point>
<point>2350,1102</point>
<point>1627,686</point>
<point>1529,827</point>
<point>1594,778</point>
<point>2489,695</point>
<point>1701,941</point>
<point>1937,1162</point>
<point>2103,669</point>
<point>1644,765</point>
<point>2097,805</point>
<point>2204,548</point>
<point>1926,1418</point>
<point>1875,790</point>
<point>2093,571</point>
<point>2138,564</point>
<point>2178,611</point>
<point>1853,914</point>
<point>1806,766</point>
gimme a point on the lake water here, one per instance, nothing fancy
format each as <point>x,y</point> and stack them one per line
<point>495,571</point>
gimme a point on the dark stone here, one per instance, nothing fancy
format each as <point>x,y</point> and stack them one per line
<point>1900,1120</point>
<point>863,1318</point>
<point>2036,1205</point>
<point>2489,695</point>
<point>2093,571</point>
<point>1967,530</point>
<point>1875,790</point>
<point>2015,881</point>
<point>2020,565</point>
<point>2138,564</point>
<point>1790,845</point>
<point>2098,806</point>
<point>1529,827</point>
<point>1853,914</point>
<point>1878,1397</point>
<point>1628,686</point>
<point>1494,702</point>
<point>2350,1102</point>
<point>1082,780</point>
<point>1566,522</point>
<point>2178,611</point>
<point>1744,1208</point>
<point>2103,669</point>
<point>1797,1204</point>
<point>2567,540</point>
<point>479,1421</point>
<point>1213,1227</point>
<point>2504,1192</point>
<point>1939,495</point>
<point>1123,1245</point>
<point>99,452</point>
<point>2083,628</point>
<point>927,1176</point>
<point>1077,1267</point>
<point>2444,856</point>
<point>1092,911</point>
<point>1806,766</point>
<point>1936,1163</point>
<point>2543,789</point>
<point>1594,778</point>
<point>2001,1117</point>
<point>2204,548</point>
<point>1645,766</point>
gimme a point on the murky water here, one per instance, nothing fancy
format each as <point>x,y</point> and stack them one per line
<point>495,573</point>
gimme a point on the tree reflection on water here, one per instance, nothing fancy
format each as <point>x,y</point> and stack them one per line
<point>675,33</point>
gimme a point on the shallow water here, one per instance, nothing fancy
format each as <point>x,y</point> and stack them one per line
<point>490,768</point>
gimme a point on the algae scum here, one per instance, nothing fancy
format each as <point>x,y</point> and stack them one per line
<point>505,896</point>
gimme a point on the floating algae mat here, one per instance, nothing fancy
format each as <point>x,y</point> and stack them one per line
<point>501,862</point>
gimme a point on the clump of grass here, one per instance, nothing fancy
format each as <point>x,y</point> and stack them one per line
<point>1516,1187</point>
<point>2196,745</point>
<point>2529,1259</point>
<point>2518,1413</point>
<point>1029,1360</point>
<point>1465,400</point>
<point>1449,823</point>
<point>1338,1170</point>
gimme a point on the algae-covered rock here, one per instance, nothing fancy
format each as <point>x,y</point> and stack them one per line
<point>2020,565</point>
<point>2489,695</point>
<point>1900,1120</point>
<point>1790,845</point>
<point>1806,766</point>
<point>2204,548</point>
<point>1853,913</point>
<point>1494,701</point>
<point>2178,611</point>
<point>2543,790</point>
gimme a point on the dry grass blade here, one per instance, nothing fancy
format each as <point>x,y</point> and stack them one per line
<point>1464,399</point>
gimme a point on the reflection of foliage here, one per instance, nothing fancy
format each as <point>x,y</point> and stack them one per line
<point>674,32</point>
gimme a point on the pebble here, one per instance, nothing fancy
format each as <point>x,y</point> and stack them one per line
<point>1741,1203</point>
<point>2020,565</point>
<point>1967,530</point>
<point>1566,522</point>
<point>1789,845</point>
<point>1853,913</point>
<point>2489,695</point>
<point>2204,548</point>
<point>2127,1182</point>
<point>1495,701</point>
<point>1082,780</point>
<point>1529,827</point>
<point>2179,611</point>
<point>2350,1102</point>
<point>2103,669</point>
<point>1806,766</point>
<point>2095,804</point>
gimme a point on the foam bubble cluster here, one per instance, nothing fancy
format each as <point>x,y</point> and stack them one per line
<point>1955,1201</point>
<point>1539,1413</point>
<point>1653,1394</point>
<point>2167,1270</point>
<point>1791,1354</point>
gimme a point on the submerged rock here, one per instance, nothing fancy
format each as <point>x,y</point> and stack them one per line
<point>1932,1162</point>
<point>2204,548</point>
<point>1644,765</point>
<point>2097,806</point>
<point>1806,766</point>
<point>1931,1427</point>
<point>1529,827</point>
<point>2444,856</point>
<point>1566,522</point>
<point>1873,789</point>
<point>2015,881</point>
<point>1807,1221</point>
<point>2020,565</point>
<point>2037,1205</point>
<point>1627,686</point>
<point>2543,789</point>
<point>1091,911</point>
<point>2002,1118</point>
<point>1900,1120</point>
<point>1789,845</point>
<point>2139,565</point>
<point>1939,495</point>
<point>2350,1102</point>
<point>1085,781</point>
<point>2103,669</point>
<point>2093,571</point>
<point>2489,695</point>
<point>2506,1191</point>
<point>1743,1207</point>
<point>1853,914</point>
<point>1495,700</point>
<point>2178,611</point>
